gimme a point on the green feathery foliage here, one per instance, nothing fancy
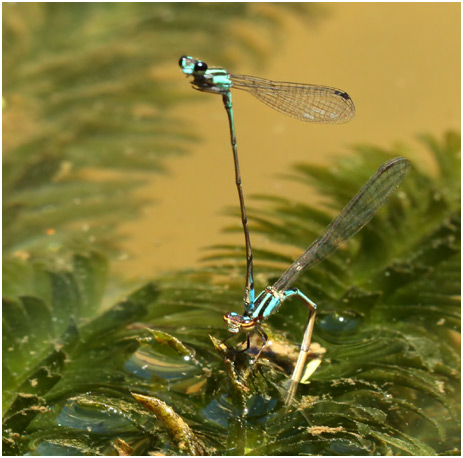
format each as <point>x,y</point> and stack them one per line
<point>143,376</point>
<point>83,91</point>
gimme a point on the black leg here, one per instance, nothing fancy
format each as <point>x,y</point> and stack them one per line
<point>264,338</point>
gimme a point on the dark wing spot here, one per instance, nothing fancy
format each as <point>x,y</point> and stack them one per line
<point>343,94</point>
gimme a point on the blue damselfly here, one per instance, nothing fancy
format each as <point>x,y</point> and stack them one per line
<point>306,102</point>
<point>355,215</point>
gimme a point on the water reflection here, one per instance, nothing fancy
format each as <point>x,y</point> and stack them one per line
<point>161,363</point>
<point>146,362</point>
<point>337,322</point>
<point>94,418</point>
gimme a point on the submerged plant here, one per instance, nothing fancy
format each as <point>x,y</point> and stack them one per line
<point>87,111</point>
<point>142,376</point>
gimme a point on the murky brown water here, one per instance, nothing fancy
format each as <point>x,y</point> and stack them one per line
<point>400,63</point>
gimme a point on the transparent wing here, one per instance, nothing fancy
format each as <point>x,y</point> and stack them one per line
<point>356,214</point>
<point>306,102</point>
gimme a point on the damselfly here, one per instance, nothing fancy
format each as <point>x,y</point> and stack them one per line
<point>355,215</point>
<point>306,102</point>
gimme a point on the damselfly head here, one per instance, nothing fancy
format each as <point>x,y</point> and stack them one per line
<point>190,65</point>
<point>236,322</point>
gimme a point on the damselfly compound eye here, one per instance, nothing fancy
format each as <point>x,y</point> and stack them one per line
<point>200,66</point>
